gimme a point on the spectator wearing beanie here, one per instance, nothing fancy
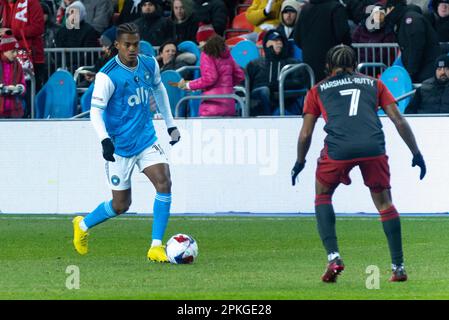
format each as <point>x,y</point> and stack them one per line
<point>439,18</point>
<point>12,80</point>
<point>153,27</point>
<point>109,50</point>
<point>205,31</point>
<point>29,32</point>
<point>185,26</point>
<point>433,95</point>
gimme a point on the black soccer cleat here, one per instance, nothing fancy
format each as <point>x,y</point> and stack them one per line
<point>334,268</point>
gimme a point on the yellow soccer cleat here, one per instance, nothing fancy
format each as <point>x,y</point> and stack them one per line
<point>79,236</point>
<point>157,254</point>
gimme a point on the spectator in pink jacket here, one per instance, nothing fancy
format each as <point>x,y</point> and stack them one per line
<point>219,74</point>
<point>12,80</point>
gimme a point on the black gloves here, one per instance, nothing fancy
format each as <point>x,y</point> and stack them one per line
<point>174,134</point>
<point>108,149</point>
<point>297,168</point>
<point>418,160</point>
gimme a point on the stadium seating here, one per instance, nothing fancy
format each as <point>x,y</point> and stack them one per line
<point>244,52</point>
<point>192,47</point>
<point>174,94</point>
<point>398,81</point>
<point>239,26</point>
<point>86,99</point>
<point>57,98</point>
<point>146,48</point>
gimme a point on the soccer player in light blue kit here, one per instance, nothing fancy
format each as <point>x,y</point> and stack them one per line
<point>120,114</point>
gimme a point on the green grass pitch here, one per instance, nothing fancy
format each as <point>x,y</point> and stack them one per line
<point>239,258</point>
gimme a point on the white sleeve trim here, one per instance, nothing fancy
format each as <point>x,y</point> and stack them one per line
<point>96,118</point>
<point>103,90</point>
<point>163,104</point>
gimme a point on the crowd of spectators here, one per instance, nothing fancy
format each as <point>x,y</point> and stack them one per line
<point>420,27</point>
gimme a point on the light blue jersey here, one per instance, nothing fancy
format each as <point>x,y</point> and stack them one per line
<point>124,93</point>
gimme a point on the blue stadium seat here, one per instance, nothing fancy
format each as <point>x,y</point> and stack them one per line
<point>192,47</point>
<point>57,98</point>
<point>398,62</point>
<point>174,94</point>
<point>398,81</point>
<point>86,98</point>
<point>244,52</point>
<point>296,51</point>
<point>146,48</point>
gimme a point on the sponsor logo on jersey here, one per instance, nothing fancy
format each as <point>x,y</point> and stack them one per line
<point>142,96</point>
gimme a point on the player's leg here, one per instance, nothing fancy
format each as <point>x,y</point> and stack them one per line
<point>392,228</point>
<point>325,217</point>
<point>329,174</point>
<point>376,175</point>
<point>119,180</point>
<point>159,175</point>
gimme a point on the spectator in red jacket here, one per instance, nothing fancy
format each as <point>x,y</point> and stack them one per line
<point>25,19</point>
<point>12,80</point>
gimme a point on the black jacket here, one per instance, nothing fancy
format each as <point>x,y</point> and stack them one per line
<point>431,97</point>
<point>417,40</point>
<point>155,29</point>
<point>322,24</point>
<point>185,30</point>
<point>264,71</point>
<point>441,26</point>
<point>212,12</point>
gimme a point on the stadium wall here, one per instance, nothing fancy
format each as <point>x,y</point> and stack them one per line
<point>220,165</point>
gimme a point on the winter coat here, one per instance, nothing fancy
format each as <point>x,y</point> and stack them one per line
<point>99,13</point>
<point>130,12</point>
<point>431,97</point>
<point>362,35</point>
<point>282,28</point>
<point>265,71</point>
<point>11,73</point>
<point>255,14</point>
<point>321,25</point>
<point>212,12</point>
<point>417,40</point>
<point>84,37</point>
<point>155,28</point>
<point>218,76</point>
<point>27,17</point>
<point>185,30</point>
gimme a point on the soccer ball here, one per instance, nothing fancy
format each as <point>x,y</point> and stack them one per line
<point>181,249</point>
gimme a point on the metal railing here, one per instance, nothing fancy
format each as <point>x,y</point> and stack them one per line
<point>70,58</point>
<point>285,71</point>
<point>243,106</point>
<point>30,73</point>
<point>385,53</point>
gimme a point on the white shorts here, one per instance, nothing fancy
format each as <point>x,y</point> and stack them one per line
<point>119,172</point>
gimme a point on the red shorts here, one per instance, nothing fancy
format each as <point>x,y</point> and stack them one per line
<point>375,171</point>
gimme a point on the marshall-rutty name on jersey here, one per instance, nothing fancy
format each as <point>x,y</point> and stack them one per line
<point>345,81</point>
<point>142,96</point>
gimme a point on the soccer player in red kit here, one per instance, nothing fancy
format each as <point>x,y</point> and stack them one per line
<point>349,103</point>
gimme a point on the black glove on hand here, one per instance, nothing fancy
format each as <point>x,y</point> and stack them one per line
<point>174,134</point>
<point>418,160</point>
<point>108,149</point>
<point>297,168</point>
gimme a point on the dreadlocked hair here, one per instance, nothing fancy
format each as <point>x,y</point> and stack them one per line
<point>341,56</point>
<point>128,28</point>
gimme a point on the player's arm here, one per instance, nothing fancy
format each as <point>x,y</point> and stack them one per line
<point>406,133</point>
<point>311,114</point>
<point>305,137</point>
<point>103,90</point>
<point>163,105</point>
